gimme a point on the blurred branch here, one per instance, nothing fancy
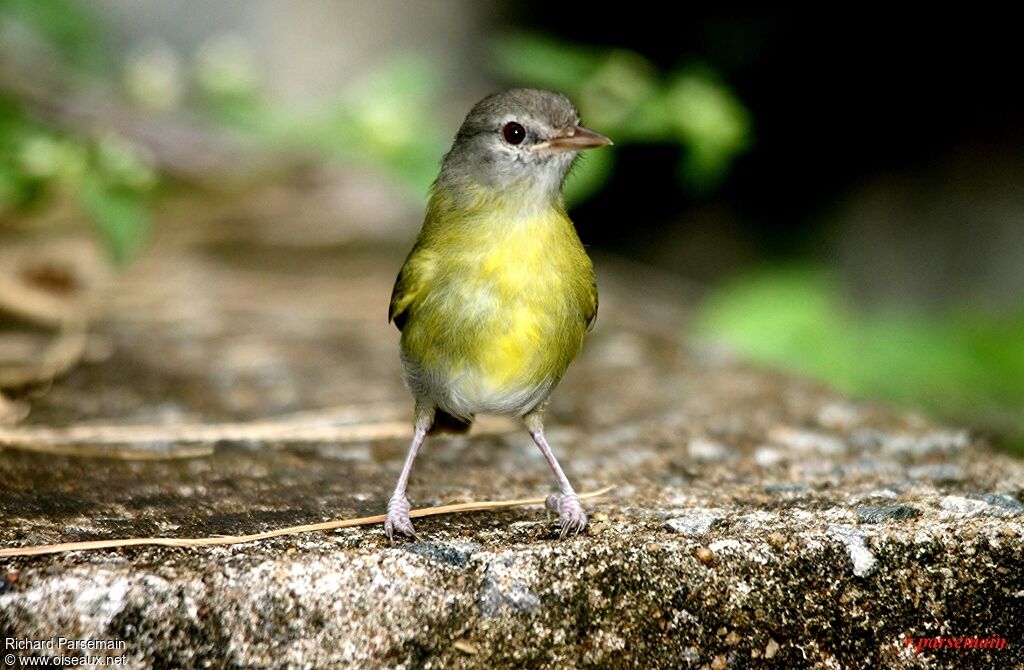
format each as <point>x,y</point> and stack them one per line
<point>181,147</point>
<point>51,287</point>
<point>305,428</point>
<point>11,411</point>
<point>61,355</point>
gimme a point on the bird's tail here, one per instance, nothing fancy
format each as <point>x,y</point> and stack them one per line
<point>446,423</point>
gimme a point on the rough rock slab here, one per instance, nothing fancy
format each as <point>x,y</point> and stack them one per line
<point>758,520</point>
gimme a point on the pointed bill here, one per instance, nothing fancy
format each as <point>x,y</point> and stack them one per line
<point>577,138</point>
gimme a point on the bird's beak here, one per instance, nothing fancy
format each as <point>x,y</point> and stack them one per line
<point>576,138</point>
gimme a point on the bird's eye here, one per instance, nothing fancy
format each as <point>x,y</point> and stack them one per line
<point>513,132</point>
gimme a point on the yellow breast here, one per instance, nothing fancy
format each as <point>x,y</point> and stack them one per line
<point>522,281</point>
<point>504,308</point>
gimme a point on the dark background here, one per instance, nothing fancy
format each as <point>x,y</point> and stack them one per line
<point>836,101</point>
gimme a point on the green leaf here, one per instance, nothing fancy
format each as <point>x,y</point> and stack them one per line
<point>120,216</point>
<point>965,365</point>
<point>70,27</point>
<point>544,62</point>
<point>711,122</point>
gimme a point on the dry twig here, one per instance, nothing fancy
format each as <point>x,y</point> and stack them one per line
<point>194,440</point>
<point>291,530</point>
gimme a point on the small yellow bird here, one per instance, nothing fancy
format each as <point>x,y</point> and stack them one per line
<point>497,293</point>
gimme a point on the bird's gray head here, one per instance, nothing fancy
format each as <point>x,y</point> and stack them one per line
<point>522,139</point>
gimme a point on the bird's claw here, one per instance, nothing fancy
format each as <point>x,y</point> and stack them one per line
<point>398,520</point>
<point>571,516</point>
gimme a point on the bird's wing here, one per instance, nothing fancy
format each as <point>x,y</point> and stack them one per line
<point>408,285</point>
<point>401,299</point>
<point>592,314</point>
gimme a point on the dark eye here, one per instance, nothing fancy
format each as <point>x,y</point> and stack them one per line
<point>513,132</point>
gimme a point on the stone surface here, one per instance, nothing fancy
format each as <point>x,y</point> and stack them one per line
<point>758,520</point>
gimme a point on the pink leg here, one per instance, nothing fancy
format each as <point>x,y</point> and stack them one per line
<point>567,504</point>
<point>398,506</point>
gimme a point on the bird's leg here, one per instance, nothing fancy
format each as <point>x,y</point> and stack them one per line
<point>398,506</point>
<point>566,504</point>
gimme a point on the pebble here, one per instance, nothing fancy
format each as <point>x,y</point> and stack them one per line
<point>695,522</point>
<point>838,415</point>
<point>1007,502</point>
<point>724,545</point>
<point>864,562</point>
<point>938,472</point>
<point>707,450</point>
<point>966,506</point>
<point>880,513</point>
<point>766,457</point>
<point>690,656</point>
<point>466,647</point>
<point>456,554</point>
<point>938,442</point>
<point>888,494</point>
<point>758,519</point>
<point>806,441</point>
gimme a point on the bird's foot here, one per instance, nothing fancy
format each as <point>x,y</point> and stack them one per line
<point>398,520</point>
<point>570,512</point>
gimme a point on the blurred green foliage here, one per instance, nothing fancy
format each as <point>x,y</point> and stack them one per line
<point>963,364</point>
<point>387,120</point>
<point>623,95</point>
<point>108,178</point>
<point>384,122</point>
<point>65,26</point>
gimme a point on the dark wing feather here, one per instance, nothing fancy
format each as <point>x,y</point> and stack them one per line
<point>398,310</point>
<point>411,281</point>
<point>592,317</point>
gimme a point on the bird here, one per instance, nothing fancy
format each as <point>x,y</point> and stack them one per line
<point>496,295</point>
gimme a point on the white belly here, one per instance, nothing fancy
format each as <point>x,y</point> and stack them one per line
<point>467,393</point>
